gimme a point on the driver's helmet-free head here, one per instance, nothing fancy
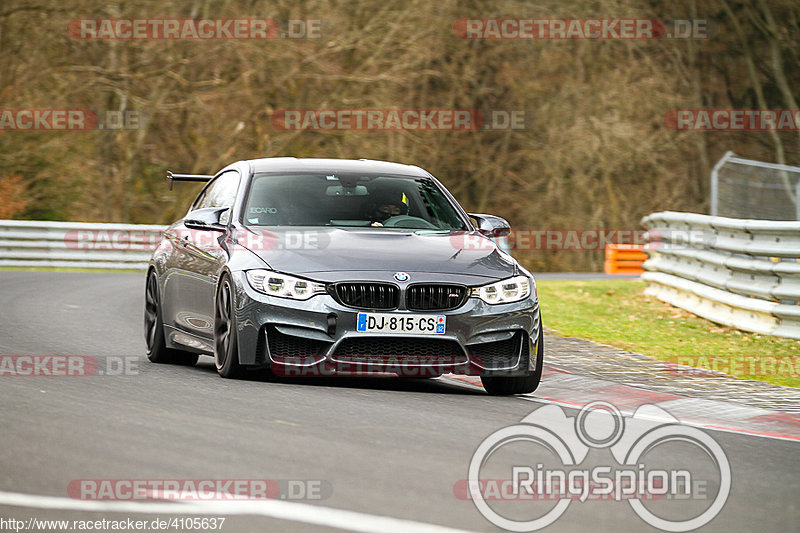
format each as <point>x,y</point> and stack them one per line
<point>389,204</point>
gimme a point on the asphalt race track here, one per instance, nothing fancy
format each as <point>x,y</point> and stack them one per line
<point>382,449</point>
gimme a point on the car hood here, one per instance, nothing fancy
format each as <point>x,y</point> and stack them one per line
<point>321,253</point>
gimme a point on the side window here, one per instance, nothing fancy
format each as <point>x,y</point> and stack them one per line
<point>199,199</point>
<point>220,192</point>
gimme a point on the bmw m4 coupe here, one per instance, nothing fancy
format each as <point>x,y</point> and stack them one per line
<point>328,266</point>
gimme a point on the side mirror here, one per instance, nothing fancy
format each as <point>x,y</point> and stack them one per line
<point>491,226</point>
<point>207,219</point>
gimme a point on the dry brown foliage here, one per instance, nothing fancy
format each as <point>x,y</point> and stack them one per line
<point>598,155</point>
<point>12,196</point>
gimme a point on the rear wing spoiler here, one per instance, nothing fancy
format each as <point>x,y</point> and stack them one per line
<point>172,177</point>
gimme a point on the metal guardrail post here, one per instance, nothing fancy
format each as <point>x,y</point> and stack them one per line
<point>715,182</point>
<point>797,204</point>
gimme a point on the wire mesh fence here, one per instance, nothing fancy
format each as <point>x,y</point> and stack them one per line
<point>745,188</point>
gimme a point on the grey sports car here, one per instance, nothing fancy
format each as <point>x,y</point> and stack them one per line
<point>313,267</point>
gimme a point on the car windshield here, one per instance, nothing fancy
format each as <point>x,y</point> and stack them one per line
<point>349,200</point>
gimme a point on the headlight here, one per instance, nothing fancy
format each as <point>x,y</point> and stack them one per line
<point>505,291</point>
<point>282,285</point>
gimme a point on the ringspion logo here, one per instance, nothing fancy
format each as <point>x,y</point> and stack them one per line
<point>542,459</point>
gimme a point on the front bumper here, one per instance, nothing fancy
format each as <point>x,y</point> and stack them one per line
<point>319,337</point>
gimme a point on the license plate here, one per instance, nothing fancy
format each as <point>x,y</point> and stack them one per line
<point>407,324</point>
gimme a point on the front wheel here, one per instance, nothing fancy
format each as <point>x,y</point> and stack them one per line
<point>508,385</point>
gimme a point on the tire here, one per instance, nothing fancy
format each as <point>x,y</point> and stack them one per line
<point>157,351</point>
<point>226,353</point>
<point>508,385</point>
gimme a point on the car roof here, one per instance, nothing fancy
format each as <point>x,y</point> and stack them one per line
<point>293,164</point>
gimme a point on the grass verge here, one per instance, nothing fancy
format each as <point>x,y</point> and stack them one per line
<point>616,312</point>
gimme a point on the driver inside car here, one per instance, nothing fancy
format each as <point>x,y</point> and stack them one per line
<point>388,205</point>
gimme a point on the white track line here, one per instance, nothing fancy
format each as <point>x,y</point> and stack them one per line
<point>291,511</point>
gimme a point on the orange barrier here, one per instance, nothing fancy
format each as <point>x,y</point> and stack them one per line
<point>624,259</point>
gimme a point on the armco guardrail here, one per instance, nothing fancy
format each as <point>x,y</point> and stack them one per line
<point>26,243</point>
<point>737,272</point>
